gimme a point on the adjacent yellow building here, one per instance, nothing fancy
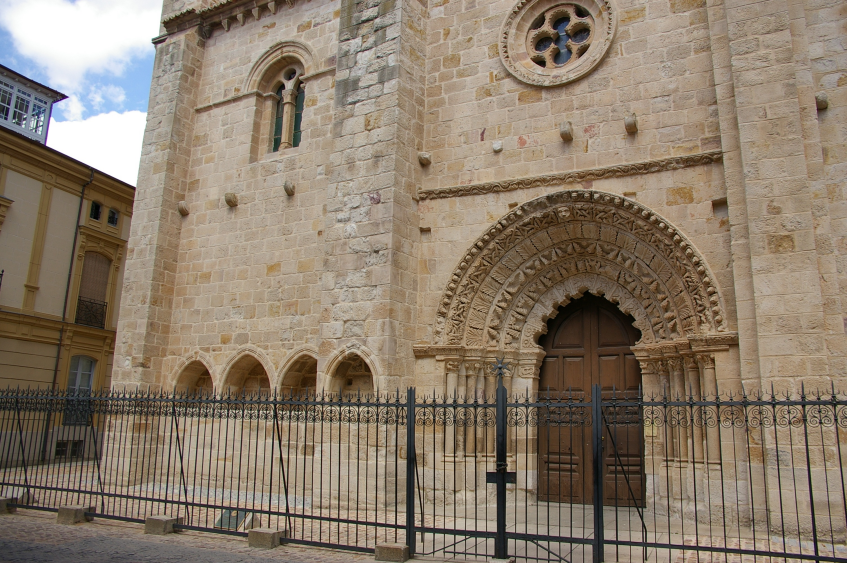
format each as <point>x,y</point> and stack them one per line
<point>63,232</point>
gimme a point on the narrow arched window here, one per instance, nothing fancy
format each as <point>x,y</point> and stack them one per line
<point>288,115</point>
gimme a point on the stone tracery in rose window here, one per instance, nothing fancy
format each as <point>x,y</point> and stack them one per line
<point>560,36</point>
<point>554,42</point>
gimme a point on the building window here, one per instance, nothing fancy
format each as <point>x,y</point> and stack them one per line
<point>36,118</point>
<point>288,117</point>
<point>81,375</point>
<point>80,381</point>
<point>7,92</point>
<point>96,210</point>
<point>91,305</point>
<point>21,109</point>
<point>113,217</point>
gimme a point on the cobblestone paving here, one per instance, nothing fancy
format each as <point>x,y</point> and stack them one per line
<point>34,537</point>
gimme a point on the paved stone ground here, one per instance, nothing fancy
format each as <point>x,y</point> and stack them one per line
<point>34,537</point>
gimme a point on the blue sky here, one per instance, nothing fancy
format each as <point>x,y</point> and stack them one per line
<point>98,52</point>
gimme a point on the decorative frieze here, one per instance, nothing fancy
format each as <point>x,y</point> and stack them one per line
<point>576,176</point>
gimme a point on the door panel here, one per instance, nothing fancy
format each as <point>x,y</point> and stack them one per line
<point>590,342</point>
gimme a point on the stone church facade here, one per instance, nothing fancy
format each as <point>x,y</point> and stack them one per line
<point>355,195</point>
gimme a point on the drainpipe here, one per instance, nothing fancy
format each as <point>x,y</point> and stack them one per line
<point>70,272</point>
<point>65,308</point>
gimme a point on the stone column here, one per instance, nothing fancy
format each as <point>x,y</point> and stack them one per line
<point>471,373</point>
<point>692,376</point>
<point>710,393</point>
<point>288,99</point>
<point>680,432</point>
<point>452,380</point>
<point>664,385</point>
<point>462,395</point>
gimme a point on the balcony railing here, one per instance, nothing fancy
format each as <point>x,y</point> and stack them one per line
<point>90,312</point>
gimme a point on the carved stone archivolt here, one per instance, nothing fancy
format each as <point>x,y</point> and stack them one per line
<point>559,246</point>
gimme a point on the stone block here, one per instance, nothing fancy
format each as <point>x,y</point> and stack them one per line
<point>5,503</point>
<point>73,514</point>
<point>392,552</point>
<point>161,524</point>
<point>266,538</point>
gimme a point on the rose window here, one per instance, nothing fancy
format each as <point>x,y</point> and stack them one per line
<point>553,42</point>
<point>560,36</point>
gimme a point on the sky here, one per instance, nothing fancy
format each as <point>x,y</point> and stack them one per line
<point>98,53</point>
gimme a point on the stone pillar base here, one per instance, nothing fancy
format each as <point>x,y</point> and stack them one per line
<point>4,505</point>
<point>392,552</point>
<point>161,524</point>
<point>73,514</point>
<point>266,538</point>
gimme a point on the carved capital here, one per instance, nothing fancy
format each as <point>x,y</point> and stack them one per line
<point>674,364</point>
<point>708,360</point>
<point>452,366</point>
<point>691,362</point>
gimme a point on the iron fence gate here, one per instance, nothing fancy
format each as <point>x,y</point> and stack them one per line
<point>575,477</point>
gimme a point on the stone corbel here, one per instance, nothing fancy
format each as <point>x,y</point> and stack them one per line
<point>225,23</point>
<point>271,7</point>
<point>80,254</point>
<point>5,204</point>
<point>257,12</point>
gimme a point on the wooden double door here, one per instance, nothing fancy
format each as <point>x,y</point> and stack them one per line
<point>590,342</point>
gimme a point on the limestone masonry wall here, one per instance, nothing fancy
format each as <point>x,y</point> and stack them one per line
<point>421,132</point>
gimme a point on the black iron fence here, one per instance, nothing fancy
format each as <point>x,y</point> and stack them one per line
<point>580,477</point>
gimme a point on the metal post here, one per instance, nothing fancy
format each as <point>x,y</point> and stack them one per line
<point>411,461</point>
<point>500,544</point>
<point>597,439</point>
<point>501,476</point>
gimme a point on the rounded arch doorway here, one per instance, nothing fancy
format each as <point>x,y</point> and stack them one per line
<point>589,342</point>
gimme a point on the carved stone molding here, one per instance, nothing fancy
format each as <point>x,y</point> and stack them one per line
<point>576,176</point>
<point>558,246</point>
<point>5,204</point>
<point>220,13</point>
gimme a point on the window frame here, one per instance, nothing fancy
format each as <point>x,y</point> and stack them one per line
<point>99,211</point>
<point>24,110</point>
<point>75,370</point>
<point>117,216</point>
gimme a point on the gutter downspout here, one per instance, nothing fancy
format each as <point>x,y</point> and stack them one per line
<point>65,307</point>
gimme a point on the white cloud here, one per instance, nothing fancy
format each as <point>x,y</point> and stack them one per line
<point>98,94</point>
<point>69,39</point>
<point>110,142</point>
<point>72,108</point>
